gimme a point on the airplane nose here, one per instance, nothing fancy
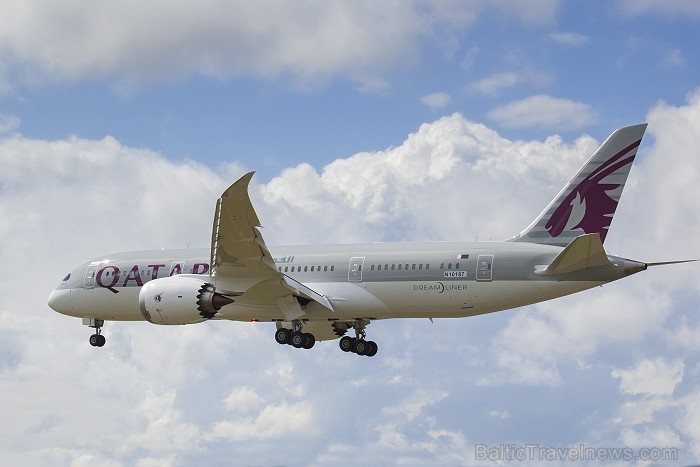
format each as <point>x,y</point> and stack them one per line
<point>60,301</point>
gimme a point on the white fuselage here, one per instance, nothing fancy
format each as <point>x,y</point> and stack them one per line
<point>368,281</point>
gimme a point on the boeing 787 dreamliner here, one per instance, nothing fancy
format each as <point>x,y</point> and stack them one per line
<point>320,292</point>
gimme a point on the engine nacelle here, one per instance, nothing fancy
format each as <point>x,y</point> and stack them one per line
<point>180,299</point>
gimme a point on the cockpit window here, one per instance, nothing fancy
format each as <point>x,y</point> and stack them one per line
<point>66,278</point>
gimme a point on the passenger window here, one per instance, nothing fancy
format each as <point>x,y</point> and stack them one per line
<point>400,267</point>
<point>413,267</point>
<point>286,269</point>
<point>420,266</point>
<point>332,268</point>
<point>306,268</point>
<point>457,266</point>
<point>312,269</point>
<point>442,265</point>
<point>449,266</point>
<point>325,268</point>
<point>393,266</point>
<point>427,266</point>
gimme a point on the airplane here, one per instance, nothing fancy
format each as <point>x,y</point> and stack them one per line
<point>325,292</point>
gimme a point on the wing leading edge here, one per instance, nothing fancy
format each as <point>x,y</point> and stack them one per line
<point>241,263</point>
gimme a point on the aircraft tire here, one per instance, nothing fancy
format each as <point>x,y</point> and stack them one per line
<point>309,340</point>
<point>372,349</point>
<point>283,336</point>
<point>361,347</point>
<point>346,344</point>
<point>94,340</point>
<point>298,340</point>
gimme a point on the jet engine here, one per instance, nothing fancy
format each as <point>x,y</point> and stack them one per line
<point>180,300</point>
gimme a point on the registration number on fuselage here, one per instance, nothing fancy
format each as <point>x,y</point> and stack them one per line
<point>455,274</point>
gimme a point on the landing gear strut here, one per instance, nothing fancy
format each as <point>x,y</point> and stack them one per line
<point>358,344</point>
<point>97,339</point>
<point>295,337</point>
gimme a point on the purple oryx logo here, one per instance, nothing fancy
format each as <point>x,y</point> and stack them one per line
<point>592,196</point>
<point>158,297</point>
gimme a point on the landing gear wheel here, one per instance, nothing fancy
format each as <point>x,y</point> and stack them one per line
<point>298,339</point>
<point>347,344</point>
<point>97,340</point>
<point>361,347</point>
<point>371,349</point>
<point>283,336</point>
<point>310,340</point>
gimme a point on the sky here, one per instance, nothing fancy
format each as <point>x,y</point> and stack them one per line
<point>122,122</point>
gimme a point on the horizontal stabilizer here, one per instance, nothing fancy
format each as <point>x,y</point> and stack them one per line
<point>586,251</point>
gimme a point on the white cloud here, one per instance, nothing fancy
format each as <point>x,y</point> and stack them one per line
<point>436,100</point>
<point>8,123</point>
<point>217,38</point>
<point>673,59</point>
<point>219,391</point>
<point>656,377</point>
<point>492,85</point>
<point>165,431</point>
<point>273,421</point>
<point>659,438</point>
<point>689,421</point>
<point>243,399</point>
<point>642,410</point>
<point>569,38</point>
<point>134,42</point>
<point>529,349</point>
<point>542,111</point>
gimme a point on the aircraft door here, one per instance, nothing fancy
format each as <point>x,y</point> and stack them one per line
<point>355,271</point>
<point>90,276</point>
<point>484,268</point>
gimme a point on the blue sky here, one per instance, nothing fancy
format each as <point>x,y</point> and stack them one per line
<point>120,125</point>
<point>610,59</point>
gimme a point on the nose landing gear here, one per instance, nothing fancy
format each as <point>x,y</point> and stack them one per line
<point>97,339</point>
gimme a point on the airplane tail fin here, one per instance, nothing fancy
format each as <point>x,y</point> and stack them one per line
<point>587,203</point>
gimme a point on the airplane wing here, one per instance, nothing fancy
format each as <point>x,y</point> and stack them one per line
<point>241,264</point>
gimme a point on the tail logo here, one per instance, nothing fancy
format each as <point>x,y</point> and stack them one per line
<point>589,206</point>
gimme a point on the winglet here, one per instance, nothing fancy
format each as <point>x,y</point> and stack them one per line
<point>586,251</point>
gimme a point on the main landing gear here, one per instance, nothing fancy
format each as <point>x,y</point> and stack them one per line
<point>97,339</point>
<point>295,337</point>
<point>358,344</point>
